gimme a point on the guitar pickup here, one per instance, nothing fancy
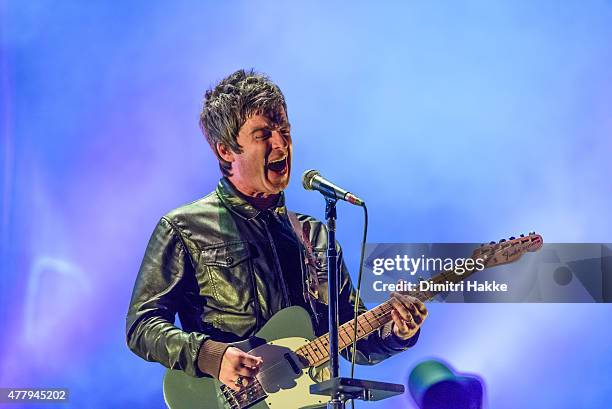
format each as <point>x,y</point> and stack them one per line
<point>294,365</point>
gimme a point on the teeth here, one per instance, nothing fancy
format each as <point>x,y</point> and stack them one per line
<point>278,160</point>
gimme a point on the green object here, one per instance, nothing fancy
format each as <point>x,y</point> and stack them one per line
<point>427,374</point>
<point>433,385</point>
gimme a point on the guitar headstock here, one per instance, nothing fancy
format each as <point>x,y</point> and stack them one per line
<point>508,250</point>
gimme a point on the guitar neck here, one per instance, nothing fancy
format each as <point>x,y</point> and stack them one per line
<point>317,350</point>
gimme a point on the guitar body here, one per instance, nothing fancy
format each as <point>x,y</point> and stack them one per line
<point>284,378</point>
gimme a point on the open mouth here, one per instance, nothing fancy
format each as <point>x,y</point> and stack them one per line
<point>278,165</point>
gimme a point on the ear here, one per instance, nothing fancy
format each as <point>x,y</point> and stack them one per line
<point>225,153</point>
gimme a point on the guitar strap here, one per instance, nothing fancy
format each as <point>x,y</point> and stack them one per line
<point>311,281</point>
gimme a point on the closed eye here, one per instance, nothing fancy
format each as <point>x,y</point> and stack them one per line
<point>263,134</point>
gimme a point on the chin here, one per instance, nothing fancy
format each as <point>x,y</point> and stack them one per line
<point>276,189</point>
<point>279,186</point>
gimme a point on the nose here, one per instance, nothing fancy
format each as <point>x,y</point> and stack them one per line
<point>279,140</point>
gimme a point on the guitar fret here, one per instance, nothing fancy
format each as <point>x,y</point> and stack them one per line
<point>309,353</point>
<point>315,351</point>
<point>303,351</point>
<point>361,322</point>
<point>348,333</point>
<point>367,315</point>
<point>325,356</point>
<point>306,352</point>
<point>322,348</point>
<point>350,339</point>
<point>375,316</point>
<point>325,341</point>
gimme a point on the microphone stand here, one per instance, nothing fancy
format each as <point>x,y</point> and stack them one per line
<point>342,389</point>
<point>332,300</point>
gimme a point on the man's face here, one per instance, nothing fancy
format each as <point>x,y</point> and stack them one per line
<point>264,166</point>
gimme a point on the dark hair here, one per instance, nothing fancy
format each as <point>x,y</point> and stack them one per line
<point>228,105</point>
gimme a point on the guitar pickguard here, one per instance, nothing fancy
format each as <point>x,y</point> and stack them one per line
<point>283,376</point>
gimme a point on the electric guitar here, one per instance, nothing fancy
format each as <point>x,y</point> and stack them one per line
<point>291,354</point>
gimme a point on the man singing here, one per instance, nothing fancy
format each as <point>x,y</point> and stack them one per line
<point>228,262</point>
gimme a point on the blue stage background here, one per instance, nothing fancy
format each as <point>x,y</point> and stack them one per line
<point>457,121</point>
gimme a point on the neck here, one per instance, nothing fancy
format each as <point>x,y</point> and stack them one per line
<point>316,352</point>
<point>260,201</point>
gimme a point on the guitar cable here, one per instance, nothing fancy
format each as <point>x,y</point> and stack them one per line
<point>358,295</point>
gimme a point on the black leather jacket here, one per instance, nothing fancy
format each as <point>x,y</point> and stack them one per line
<point>213,263</point>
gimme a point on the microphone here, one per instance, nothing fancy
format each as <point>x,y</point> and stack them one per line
<point>312,180</point>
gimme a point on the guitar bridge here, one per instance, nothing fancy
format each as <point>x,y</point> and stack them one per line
<point>245,398</point>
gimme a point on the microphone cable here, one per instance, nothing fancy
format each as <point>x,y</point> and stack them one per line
<point>358,295</point>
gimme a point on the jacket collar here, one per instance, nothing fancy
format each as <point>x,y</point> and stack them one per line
<point>235,201</point>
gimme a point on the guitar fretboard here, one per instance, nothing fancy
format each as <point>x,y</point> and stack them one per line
<point>316,352</point>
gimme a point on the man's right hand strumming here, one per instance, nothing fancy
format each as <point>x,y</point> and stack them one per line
<point>238,368</point>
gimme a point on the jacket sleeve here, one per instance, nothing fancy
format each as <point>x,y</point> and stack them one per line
<point>379,345</point>
<point>164,273</point>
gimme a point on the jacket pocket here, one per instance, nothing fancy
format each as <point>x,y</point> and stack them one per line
<point>228,269</point>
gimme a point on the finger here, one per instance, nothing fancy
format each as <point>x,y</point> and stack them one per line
<point>420,306</point>
<point>420,312</point>
<point>250,360</point>
<point>415,306</point>
<point>418,318</point>
<point>399,323</point>
<point>406,300</point>
<point>400,308</point>
<point>410,316</point>
<point>246,371</point>
<point>411,322</point>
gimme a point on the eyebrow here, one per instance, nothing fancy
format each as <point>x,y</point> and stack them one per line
<point>263,127</point>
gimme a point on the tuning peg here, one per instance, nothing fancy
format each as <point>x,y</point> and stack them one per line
<point>512,238</point>
<point>502,240</point>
